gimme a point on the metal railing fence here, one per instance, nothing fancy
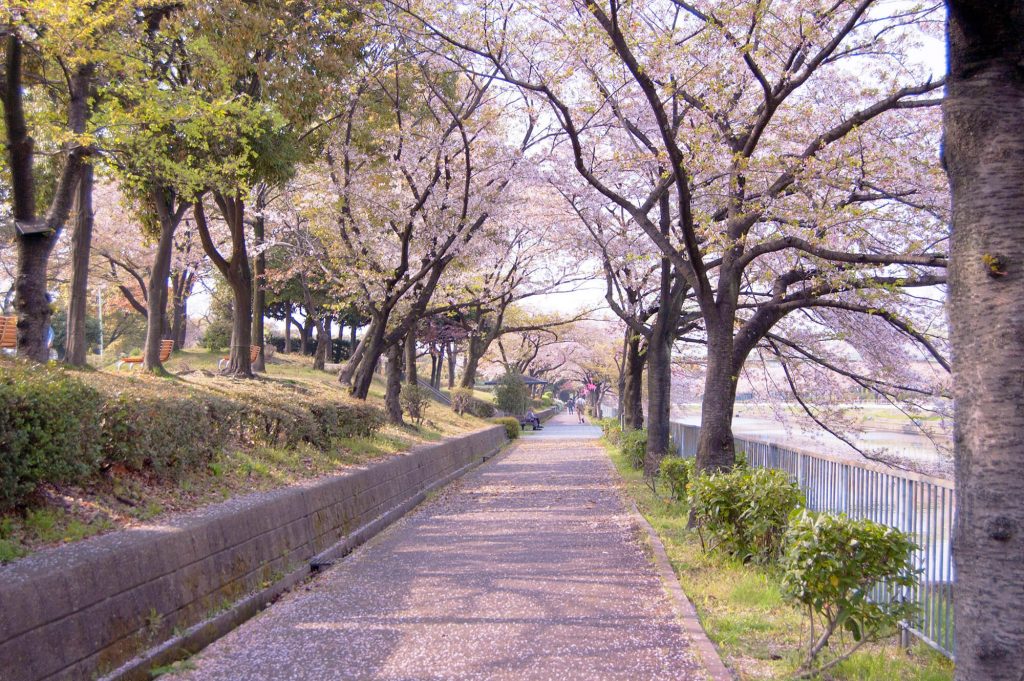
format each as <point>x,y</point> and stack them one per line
<point>921,505</point>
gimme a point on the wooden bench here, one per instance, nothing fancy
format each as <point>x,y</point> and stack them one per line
<point>8,333</point>
<point>165,352</point>
<point>254,352</point>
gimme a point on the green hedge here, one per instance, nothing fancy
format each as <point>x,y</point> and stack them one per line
<point>49,430</point>
<point>511,426</point>
<point>55,428</point>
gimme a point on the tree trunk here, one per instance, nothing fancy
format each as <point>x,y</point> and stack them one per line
<point>287,329</point>
<point>659,398</point>
<point>157,287</point>
<point>984,156</point>
<point>77,345</point>
<point>633,385</point>
<point>435,379</point>
<point>323,346</point>
<point>367,364</point>
<point>307,331</point>
<point>348,369</point>
<point>259,298</point>
<point>411,373</point>
<point>31,301</point>
<point>473,355</point>
<point>451,366</point>
<point>393,392</point>
<point>182,283</point>
<point>716,449</point>
<point>352,337</point>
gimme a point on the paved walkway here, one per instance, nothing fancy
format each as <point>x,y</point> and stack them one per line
<point>527,568</point>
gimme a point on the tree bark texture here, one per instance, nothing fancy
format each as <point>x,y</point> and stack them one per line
<point>259,296</point>
<point>77,346</point>
<point>984,157</point>
<point>659,399</point>
<point>410,356</point>
<point>716,449</point>
<point>633,383</point>
<point>367,363</point>
<point>157,286</point>
<point>393,391</point>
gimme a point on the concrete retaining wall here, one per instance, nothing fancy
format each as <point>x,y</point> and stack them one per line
<point>81,610</point>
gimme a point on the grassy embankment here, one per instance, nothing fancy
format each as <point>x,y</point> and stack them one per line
<point>758,633</point>
<point>132,489</point>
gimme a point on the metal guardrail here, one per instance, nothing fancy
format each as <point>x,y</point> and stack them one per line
<point>434,392</point>
<point>921,505</point>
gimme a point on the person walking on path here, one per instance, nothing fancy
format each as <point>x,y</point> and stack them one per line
<point>569,405</point>
<point>581,406</point>
<point>504,575</point>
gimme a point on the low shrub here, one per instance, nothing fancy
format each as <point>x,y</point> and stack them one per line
<point>745,512</point>
<point>511,426</point>
<point>676,472</point>
<point>414,402</point>
<point>48,430</point>
<point>634,446</point>
<point>831,565</point>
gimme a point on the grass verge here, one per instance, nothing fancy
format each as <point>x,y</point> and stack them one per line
<point>741,607</point>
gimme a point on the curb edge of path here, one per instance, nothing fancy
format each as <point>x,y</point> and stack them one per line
<point>685,612</point>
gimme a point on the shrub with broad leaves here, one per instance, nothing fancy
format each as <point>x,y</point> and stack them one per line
<point>745,512</point>
<point>850,575</point>
<point>676,472</point>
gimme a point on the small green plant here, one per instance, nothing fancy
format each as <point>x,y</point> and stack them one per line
<point>634,446</point>
<point>414,402</point>
<point>511,426</point>
<point>611,430</point>
<point>676,472</point>
<point>831,565</point>
<point>745,512</point>
<point>511,394</point>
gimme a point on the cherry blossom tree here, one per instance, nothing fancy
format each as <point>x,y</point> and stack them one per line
<point>788,143</point>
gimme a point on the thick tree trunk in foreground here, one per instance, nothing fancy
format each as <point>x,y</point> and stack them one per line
<point>393,391</point>
<point>633,384</point>
<point>716,449</point>
<point>984,155</point>
<point>77,345</point>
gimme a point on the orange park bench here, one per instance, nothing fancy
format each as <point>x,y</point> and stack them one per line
<point>254,352</point>
<point>165,351</point>
<point>8,333</point>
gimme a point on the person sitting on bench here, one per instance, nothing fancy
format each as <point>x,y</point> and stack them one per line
<point>532,419</point>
